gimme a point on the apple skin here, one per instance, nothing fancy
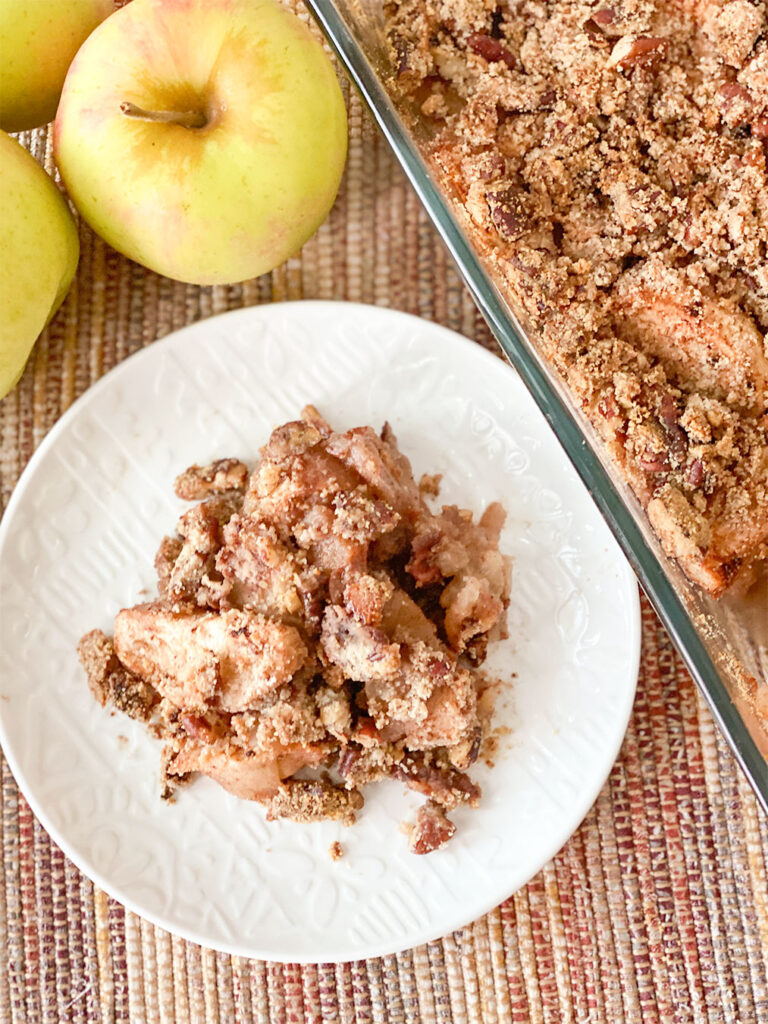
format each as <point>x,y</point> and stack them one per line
<point>214,204</point>
<point>38,39</point>
<point>38,240</point>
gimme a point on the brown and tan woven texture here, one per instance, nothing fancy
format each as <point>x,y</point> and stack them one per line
<point>655,910</point>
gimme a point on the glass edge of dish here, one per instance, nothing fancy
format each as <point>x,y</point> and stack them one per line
<point>578,449</point>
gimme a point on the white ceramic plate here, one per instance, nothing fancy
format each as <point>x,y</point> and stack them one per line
<point>77,544</point>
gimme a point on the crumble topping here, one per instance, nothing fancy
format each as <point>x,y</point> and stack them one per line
<point>110,682</point>
<point>609,161</point>
<point>317,628</point>
<point>198,482</point>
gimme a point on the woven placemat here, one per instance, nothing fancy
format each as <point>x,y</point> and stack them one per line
<point>655,910</point>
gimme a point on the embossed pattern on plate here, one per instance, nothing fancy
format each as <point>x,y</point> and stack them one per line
<point>77,544</point>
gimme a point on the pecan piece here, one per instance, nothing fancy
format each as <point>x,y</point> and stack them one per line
<point>443,784</point>
<point>653,462</point>
<point>509,211</point>
<point>737,104</point>
<point>598,25</point>
<point>198,482</point>
<point>206,729</point>
<point>676,438</point>
<point>696,473</point>
<point>630,51</point>
<point>731,91</point>
<point>490,49</point>
<point>431,830</point>
<point>402,51</point>
<point>604,16</point>
<point>594,31</point>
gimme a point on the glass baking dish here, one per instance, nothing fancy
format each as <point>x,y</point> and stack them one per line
<point>724,642</point>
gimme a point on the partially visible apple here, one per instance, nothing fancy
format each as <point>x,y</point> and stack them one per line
<point>38,39</point>
<point>213,147</point>
<point>39,246</point>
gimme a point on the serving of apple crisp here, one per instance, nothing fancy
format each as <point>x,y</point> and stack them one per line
<point>317,628</point>
<point>609,162</point>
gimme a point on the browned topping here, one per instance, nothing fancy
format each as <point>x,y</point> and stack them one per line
<point>734,28</point>
<point>288,640</point>
<point>165,559</point>
<point>429,484</point>
<point>336,851</point>
<point>200,482</point>
<point>613,177</point>
<point>305,800</point>
<point>192,577</point>
<point>110,682</point>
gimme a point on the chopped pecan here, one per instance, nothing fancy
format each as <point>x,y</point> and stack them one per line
<point>467,751</point>
<point>362,652</point>
<point>490,49</point>
<point>604,16</point>
<point>365,732</point>
<point>696,473</point>
<point>653,462</point>
<point>738,104</point>
<point>431,830</point>
<point>198,482</point>
<point>733,91</point>
<point>206,729</point>
<point>594,32</point>
<point>360,765</point>
<point>677,441</point>
<point>607,406</point>
<point>634,50</point>
<point>598,26</point>
<point>402,52</point>
<point>509,211</point>
<point>444,784</point>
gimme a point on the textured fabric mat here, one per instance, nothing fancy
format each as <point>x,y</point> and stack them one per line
<point>655,910</point>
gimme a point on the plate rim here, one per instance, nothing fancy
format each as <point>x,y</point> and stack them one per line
<point>373,950</point>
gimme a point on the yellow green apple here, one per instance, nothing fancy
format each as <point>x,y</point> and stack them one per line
<point>39,246</point>
<point>38,39</point>
<point>213,147</point>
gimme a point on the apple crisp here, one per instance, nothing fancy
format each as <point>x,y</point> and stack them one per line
<point>609,161</point>
<point>317,628</point>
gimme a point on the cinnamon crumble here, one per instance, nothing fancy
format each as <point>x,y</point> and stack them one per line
<point>317,628</point>
<point>609,160</point>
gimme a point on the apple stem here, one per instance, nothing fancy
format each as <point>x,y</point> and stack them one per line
<point>186,118</point>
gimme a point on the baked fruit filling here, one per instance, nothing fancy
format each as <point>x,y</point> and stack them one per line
<point>609,161</point>
<point>317,628</point>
